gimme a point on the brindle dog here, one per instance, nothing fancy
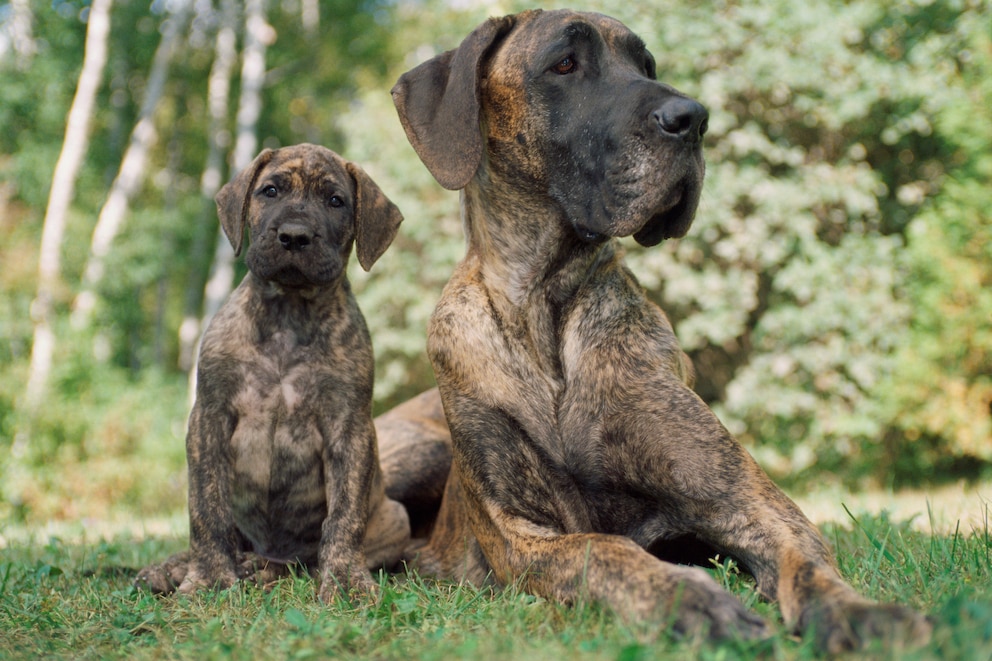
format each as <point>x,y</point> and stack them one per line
<point>283,463</point>
<point>578,444</point>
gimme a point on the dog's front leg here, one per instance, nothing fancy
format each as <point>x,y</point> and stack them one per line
<point>213,535</point>
<point>350,471</point>
<point>533,527</point>
<point>678,453</point>
<point>610,570</point>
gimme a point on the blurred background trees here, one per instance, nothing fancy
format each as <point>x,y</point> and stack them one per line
<point>835,292</point>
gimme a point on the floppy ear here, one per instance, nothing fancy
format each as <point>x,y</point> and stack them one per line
<point>233,200</point>
<point>376,218</point>
<point>438,105</point>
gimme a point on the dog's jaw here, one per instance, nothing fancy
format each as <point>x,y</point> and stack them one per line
<point>671,223</point>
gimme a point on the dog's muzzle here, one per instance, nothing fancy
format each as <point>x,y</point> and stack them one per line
<point>682,118</point>
<point>294,236</point>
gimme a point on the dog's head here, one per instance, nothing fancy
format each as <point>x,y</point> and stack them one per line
<point>304,207</point>
<point>565,105</point>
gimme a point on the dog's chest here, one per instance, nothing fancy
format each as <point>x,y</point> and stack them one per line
<point>279,440</point>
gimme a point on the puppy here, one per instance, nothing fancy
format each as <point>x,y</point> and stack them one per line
<point>283,463</point>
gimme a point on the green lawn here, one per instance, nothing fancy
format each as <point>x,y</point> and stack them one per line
<point>66,600</point>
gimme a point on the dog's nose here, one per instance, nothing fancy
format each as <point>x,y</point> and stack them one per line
<point>682,118</point>
<point>294,236</point>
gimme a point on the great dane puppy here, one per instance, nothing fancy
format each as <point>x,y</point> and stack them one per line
<point>283,463</point>
<point>577,441</point>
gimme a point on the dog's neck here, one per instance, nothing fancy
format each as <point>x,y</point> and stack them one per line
<point>304,310</point>
<point>531,263</point>
<point>524,266</point>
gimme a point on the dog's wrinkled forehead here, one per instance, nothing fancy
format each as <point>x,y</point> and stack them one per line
<point>306,170</point>
<point>541,37</point>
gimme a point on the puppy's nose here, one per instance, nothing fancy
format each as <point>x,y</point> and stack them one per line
<point>682,118</point>
<point>294,236</point>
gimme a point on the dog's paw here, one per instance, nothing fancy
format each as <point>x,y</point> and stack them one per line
<point>845,627</point>
<point>352,586</point>
<point>165,577</point>
<point>702,607</point>
<point>260,570</point>
<point>197,579</point>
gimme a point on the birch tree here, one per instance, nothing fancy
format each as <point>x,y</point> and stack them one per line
<point>218,93</point>
<point>132,169</point>
<point>20,34</point>
<point>63,188</point>
<point>310,13</point>
<point>258,35</point>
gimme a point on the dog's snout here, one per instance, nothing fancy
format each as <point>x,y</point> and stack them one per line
<point>682,118</point>
<point>294,236</point>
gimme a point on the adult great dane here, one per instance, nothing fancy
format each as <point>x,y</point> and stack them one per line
<point>577,442</point>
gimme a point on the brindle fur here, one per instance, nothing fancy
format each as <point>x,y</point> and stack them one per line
<point>577,441</point>
<point>283,463</point>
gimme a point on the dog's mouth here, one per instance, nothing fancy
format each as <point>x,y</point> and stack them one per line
<point>294,271</point>
<point>647,196</point>
<point>587,235</point>
<point>672,223</point>
<point>293,278</point>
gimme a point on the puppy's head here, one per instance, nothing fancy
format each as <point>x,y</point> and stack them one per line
<point>304,206</point>
<point>568,109</point>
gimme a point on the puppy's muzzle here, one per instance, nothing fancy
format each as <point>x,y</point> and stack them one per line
<point>294,237</point>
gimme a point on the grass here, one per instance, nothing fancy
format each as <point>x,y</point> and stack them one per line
<point>75,600</point>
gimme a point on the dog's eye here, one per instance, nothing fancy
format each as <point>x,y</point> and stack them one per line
<point>565,66</point>
<point>270,191</point>
<point>336,201</point>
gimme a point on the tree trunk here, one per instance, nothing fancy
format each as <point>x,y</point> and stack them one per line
<point>21,36</point>
<point>132,170</point>
<point>218,93</point>
<point>63,187</point>
<point>258,34</point>
<point>310,13</point>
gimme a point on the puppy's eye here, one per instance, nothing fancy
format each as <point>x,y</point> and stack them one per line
<point>336,201</point>
<point>565,66</point>
<point>270,191</point>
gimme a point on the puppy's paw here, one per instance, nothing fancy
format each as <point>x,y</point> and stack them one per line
<point>219,576</point>
<point>353,585</point>
<point>847,626</point>
<point>165,577</point>
<point>262,571</point>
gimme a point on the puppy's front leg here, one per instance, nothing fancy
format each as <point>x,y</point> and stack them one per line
<point>213,536</point>
<point>350,462</point>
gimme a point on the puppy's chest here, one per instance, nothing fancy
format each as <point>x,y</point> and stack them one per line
<point>282,409</point>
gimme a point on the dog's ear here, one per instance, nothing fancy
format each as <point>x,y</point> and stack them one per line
<point>234,198</point>
<point>438,105</point>
<point>376,218</point>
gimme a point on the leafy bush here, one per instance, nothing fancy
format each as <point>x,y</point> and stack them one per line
<point>834,292</point>
<point>941,393</point>
<point>794,293</point>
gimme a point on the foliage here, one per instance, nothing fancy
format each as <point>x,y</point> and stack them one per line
<point>789,293</point>
<point>792,292</point>
<point>833,292</point>
<point>59,599</point>
<point>943,385</point>
<point>109,445</point>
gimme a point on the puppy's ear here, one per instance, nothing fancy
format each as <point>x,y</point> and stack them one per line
<point>438,105</point>
<point>234,199</point>
<point>376,218</point>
